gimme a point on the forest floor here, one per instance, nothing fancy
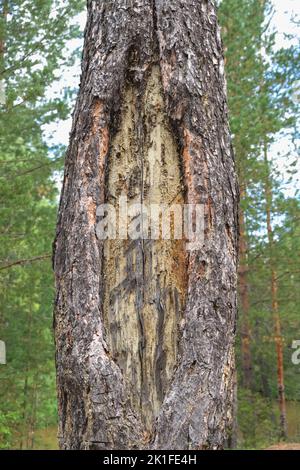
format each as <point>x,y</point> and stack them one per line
<point>285,446</point>
<point>47,439</point>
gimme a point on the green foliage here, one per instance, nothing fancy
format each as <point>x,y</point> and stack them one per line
<point>261,85</point>
<point>33,40</point>
<point>257,420</point>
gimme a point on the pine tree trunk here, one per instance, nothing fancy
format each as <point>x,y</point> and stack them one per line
<point>145,329</point>
<point>244,298</point>
<point>275,306</point>
<point>279,352</point>
<point>4,13</point>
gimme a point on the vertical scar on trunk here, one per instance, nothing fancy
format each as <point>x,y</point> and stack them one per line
<point>145,280</point>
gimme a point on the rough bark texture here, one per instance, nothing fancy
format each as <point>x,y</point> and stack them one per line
<point>144,331</point>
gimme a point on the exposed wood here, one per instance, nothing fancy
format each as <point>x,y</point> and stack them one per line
<point>145,280</point>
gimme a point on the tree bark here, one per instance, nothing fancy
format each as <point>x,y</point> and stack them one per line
<point>144,330</point>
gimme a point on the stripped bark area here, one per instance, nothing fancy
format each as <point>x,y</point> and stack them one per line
<point>145,329</point>
<point>145,280</point>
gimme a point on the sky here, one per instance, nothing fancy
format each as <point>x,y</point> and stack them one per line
<point>284,11</point>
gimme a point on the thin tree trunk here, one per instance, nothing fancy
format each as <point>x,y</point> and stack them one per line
<point>24,436</point>
<point>145,329</point>
<point>233,436</point>
<point>24,412</point>
<point>33,416</point>
<point>275,305</point>
<point>4,13</point>
<point>244,297</point>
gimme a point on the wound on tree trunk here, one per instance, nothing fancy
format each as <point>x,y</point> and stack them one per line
<point>144,329</point>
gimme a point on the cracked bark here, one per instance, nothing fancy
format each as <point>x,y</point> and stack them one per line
<point>144,342</point>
